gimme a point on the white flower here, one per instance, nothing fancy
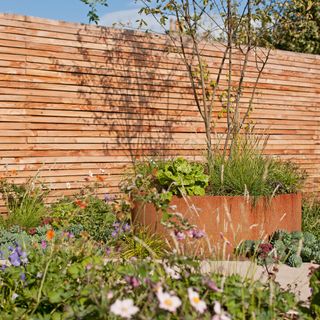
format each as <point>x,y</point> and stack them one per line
<point>195,301</point>
<point>109,295</point>
<point>124,308</point>
<point>219,313</point>
<point>68,185</point>
<point>167,301</point>
<point>14,296</point>
<point>173,272</point>
<point>90,174</point>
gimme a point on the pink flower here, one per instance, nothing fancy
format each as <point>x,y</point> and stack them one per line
<point>43,244</point>
<point>179,235</point>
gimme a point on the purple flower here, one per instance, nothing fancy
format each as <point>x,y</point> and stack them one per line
<point>198,234</point>
<point>212,285</point>
<point>43,244</point>
<point>18,256</point>
<point>116,225</point>
<point>1,254</point>
<point>265,247</point>
<point>179,235</point>
<point>70,235</point>
<point>126,227</point>
<point>15,259</point>
<point>89,266</point>
<point>18,250</point>
<point>108,197</point>
<point>132,281</point>
<point>3,267</point>
<point>23,276</point>
<point>108,251</point>
<point>23,257</point>
<point>114,233</point>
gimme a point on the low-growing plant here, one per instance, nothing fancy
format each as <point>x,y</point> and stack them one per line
<point>85,214</point>
<point>25,203</point>
<point>283,247</point>
<point>77,279</point>
<point>142,244</point>
<point>315,296</point>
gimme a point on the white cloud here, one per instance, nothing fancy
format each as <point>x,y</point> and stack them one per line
<point>128,19</point>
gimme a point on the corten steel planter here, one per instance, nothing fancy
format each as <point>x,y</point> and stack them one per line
<point>227,220</point>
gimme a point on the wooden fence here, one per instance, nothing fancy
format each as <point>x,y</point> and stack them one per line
<point>79,100</point>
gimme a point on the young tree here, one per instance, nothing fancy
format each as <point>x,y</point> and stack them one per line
<point>235,29</point>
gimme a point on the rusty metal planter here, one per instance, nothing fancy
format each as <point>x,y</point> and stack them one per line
<point>228,220</point>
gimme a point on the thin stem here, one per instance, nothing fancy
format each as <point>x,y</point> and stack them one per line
<point>43,280</point>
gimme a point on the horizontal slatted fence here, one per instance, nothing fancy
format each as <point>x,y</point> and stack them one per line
<point>77,100</point>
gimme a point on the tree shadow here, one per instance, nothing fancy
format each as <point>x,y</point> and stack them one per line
<point>128,86</point>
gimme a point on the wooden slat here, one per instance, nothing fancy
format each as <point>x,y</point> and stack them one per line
<point>78,100</point>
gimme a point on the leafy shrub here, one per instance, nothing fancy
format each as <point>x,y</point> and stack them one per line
<point>311,217</point>
<point>25,203</point>
<point>75,279</point>
<point>63,210</point>
<point>157,182</point>
<point>284,177</point>
<point>89,214</point>
<point>96,218</point>
<point>182,177</point>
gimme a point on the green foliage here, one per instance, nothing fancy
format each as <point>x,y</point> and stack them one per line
<point>157,181</point>
<point>299,27</point>
<point>285,177</point>
<point>182,177</point>
<point>63,210</point>
<point>142,244</point>
<point>285,247</point>
<point>96,218</point>
<point>311,217</point>
<point>280,250</point>
<point>73,279</point>
<point>89,214</point>
<point>93,12</point>
<point>9,237</point>
<point>294,261</point>
<point>315,297</point>
<point>247,172</point>
<point>25,203</point>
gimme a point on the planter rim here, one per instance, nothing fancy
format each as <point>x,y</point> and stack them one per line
<point>239,196</point>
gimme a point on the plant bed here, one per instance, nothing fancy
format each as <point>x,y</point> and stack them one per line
<point>226,220</point>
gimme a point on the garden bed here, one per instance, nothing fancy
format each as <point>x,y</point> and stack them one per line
<point>227,220</point>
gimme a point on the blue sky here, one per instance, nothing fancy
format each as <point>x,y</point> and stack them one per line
<point>124,12</point>
<point>67,10</point>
